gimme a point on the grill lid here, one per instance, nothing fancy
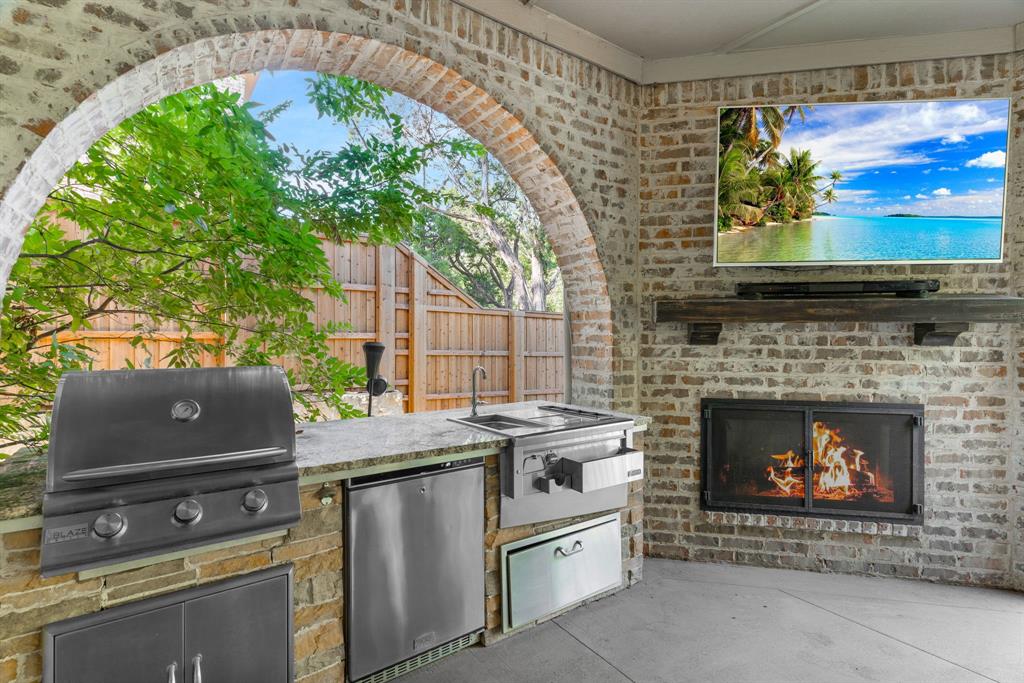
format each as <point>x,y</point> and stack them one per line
<point>113,427</point>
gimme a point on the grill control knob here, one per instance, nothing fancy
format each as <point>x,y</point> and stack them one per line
<point>188,511</point>
<point>108,525</point>
<point>255,501</point>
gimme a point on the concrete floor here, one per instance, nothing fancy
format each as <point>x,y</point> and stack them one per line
<point>706,622</point>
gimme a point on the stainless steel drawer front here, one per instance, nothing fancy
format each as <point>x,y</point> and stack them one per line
<point>556,573</point>
<point>600,473</point>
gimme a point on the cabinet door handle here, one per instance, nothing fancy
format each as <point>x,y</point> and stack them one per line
<point>171,671</point>
<point>197,669</point>
<point>577,547</point>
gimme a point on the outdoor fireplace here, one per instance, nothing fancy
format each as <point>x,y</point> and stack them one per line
<point>851,460</point>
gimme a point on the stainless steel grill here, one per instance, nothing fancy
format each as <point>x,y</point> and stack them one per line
<point>143,462</point>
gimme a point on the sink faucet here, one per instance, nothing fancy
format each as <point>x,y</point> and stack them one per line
<point>475,401</point>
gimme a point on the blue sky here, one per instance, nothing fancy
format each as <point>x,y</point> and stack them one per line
<point>929,158</point>
<point>298,125</point>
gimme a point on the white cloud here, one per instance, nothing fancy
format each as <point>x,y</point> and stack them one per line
<point>942,192</point>
<point>953,138</point>
<point>984,202</point>
<point>949,168</point>
<point>906,196</point>
<point>856,196</point>
<point>872,136</point>
<point>996,159</point>
<point>990,180</point>
<point>926,171</point>
<point>921,196</point>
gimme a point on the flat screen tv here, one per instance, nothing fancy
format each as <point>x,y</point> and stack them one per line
<point>863,183</point>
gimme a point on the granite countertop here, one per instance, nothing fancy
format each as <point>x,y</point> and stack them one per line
<point>320,448</point>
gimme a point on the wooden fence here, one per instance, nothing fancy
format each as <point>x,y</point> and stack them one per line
<point>434,333</point>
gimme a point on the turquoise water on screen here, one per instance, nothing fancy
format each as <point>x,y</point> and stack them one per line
<point>856,238</point>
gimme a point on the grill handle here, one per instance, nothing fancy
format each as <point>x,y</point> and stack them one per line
<point>131,469</point>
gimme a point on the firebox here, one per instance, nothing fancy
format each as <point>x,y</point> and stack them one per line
<point>851,460</point>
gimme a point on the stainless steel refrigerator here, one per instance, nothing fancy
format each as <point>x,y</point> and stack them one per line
<point>414,568</point>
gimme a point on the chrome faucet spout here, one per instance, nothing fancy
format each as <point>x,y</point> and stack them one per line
<point>478,370</point>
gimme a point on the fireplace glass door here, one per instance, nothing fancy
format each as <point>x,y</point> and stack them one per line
<point>759,456</point>
<point>862,461</point>
<point>804,458</point>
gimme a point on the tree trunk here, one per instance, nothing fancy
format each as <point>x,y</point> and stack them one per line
<point>538,287</point>
<point>508,253</point>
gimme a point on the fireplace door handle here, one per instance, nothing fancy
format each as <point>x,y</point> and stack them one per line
<point>197,669</point>
<point>577,547</point>
<point>171,673</point>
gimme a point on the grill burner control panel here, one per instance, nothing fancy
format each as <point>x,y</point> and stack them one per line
<point>128,530</point>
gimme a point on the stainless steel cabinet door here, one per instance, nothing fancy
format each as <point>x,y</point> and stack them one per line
<point>144,648</point>
<point>546,577</point>
<point>415,567</point>
<point>239,635</point>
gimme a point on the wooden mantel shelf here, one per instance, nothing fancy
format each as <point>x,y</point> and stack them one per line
<point>938,319</point>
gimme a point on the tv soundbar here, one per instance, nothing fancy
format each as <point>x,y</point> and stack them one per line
<point>797,290</point>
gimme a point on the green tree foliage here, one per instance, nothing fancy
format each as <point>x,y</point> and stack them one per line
<point>756,183</point>
<point>189,214</point>
<point>482,231</point>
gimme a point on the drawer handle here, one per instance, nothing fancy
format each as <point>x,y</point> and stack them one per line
<point>577,547</point>
<point>197,669</point>
<point>171,677</point>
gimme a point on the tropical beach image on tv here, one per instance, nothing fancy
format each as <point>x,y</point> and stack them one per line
<point>835,184</point>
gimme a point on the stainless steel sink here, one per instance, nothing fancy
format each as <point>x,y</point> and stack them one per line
<point>497,422</point>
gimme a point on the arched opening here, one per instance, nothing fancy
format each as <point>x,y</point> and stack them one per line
<point>425,80</point>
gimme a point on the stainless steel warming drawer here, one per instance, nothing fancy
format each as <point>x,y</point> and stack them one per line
<point>546,573</point>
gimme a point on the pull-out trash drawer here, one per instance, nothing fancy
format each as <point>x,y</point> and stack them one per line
<point>550,572</point>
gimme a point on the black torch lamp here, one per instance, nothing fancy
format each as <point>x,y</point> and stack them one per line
<point>375,384</point>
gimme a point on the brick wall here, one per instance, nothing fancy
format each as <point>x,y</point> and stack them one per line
<point>566,130</point>
<point>972,392</point>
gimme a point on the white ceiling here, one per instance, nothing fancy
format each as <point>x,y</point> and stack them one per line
<point>661,29</point>
<point>664,40</point>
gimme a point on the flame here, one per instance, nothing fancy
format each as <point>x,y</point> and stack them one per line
<point>840,472</point>
<point>829,455</point>
<point>786,482</point>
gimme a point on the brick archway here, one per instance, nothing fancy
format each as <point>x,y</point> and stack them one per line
<point>405,72</point>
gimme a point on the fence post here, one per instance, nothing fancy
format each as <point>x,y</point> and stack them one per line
<point>386,307</point>
<point>567,351</point>
<point>418,335</point>
<point>516,356</point>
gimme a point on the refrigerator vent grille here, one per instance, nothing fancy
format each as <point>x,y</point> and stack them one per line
<point>393,672</point>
